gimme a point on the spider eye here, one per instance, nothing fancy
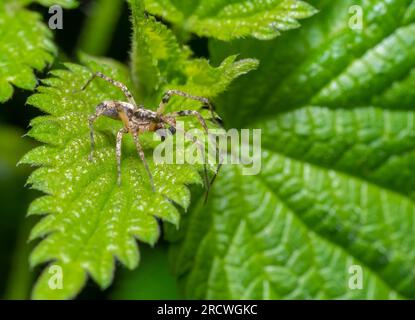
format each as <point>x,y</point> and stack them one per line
<point>172,130</point>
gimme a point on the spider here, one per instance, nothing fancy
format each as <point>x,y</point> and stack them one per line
<point>137,120</point>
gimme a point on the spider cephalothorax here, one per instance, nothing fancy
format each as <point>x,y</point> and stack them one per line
<point>137,119</point>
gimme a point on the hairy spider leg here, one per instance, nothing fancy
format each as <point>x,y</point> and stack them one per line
<point>101,109</point>
<point>202,121</point>
<point>118,84</point>
<point>213,180</point>
<point>202,149</point>
<point>186,113</point>
<point>143,159</point>
<point>165,100</point>
<point>170,93</point>
<point>118,151</point>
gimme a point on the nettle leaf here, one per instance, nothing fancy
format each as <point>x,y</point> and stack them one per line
<point>26,45</point>
<point>90,220</point>
<point>336,189</point>
<point>226,20</point>
<point>159,63</point>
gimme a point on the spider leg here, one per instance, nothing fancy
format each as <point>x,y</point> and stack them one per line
<point>100,110</point>
<point>118,84</point>
<point>202,149</point>
<point>120,135</point>
<point>212,181</point>
<point>168,95</point>
<point>186,113</point>
<point>143,159</point>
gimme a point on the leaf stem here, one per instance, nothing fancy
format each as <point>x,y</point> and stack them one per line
<point>20,277</point>
<point>99,28</point>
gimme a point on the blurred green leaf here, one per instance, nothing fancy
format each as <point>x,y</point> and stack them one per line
<point>12,147</point>
<point>99,29</point>
<point>14,199</point>
<point>26,45</point>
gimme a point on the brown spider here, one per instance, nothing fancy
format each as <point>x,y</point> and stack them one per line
<point>137,120</point>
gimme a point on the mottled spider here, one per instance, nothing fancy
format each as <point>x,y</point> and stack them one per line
<point>137,120</point>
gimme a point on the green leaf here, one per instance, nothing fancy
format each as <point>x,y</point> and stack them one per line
<point>160,63</point>
<point>26,45</point>
<point>90,221</point>
<point>226,20</point>
<point>336,189</point>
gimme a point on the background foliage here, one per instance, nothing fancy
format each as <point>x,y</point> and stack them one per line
<point>336,187</point>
